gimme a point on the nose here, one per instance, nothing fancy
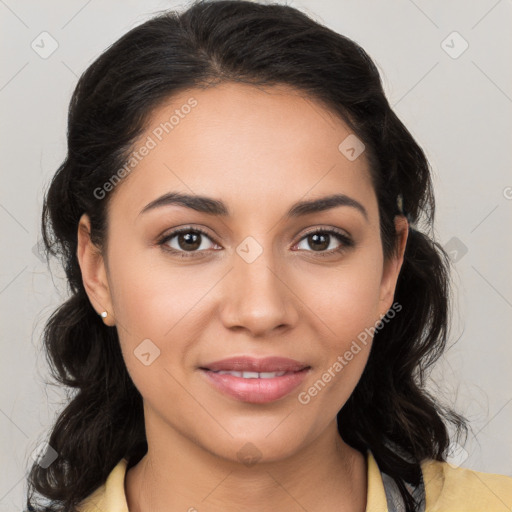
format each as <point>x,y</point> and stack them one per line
<point>257,298</point>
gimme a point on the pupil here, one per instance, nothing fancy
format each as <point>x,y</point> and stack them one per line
<point>316,237</point>
<point>192,239</point>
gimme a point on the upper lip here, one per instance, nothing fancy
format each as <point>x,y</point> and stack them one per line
<point>252,364</point>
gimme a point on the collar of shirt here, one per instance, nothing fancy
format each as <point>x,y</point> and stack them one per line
<point>111,495</point>
<point>447,486</point>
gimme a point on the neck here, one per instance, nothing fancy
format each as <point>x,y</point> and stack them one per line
<point>178,475</point>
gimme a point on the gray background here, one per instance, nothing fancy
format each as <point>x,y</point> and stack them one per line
<point>458,107</point>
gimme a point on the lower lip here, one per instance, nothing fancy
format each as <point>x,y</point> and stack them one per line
<point>258,391</point>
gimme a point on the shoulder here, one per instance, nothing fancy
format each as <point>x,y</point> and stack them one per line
<point>110,496</point>
<point>452,489</point>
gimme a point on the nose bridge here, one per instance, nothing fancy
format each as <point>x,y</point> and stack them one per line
<point>257,297</point>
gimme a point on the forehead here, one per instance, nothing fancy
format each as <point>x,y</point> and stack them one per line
<point>250,146</point>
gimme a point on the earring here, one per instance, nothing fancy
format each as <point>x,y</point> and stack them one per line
<point>400,203</point>
<point>104,314</point>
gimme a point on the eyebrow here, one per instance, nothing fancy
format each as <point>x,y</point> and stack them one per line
<point>213,206</point>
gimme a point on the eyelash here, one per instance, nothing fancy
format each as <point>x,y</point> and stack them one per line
<point>346,242</point>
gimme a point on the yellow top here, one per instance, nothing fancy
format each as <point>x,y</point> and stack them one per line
<point>447,489</point>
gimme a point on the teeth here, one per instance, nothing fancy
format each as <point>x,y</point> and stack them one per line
<point>252,375</point>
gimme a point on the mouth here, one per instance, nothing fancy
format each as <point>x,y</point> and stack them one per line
<point>255,387</point>
<point>254,364</point>
<point>252,375</point>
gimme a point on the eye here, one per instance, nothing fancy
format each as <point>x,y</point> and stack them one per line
<point>188,240</point>
<point>321,240</point>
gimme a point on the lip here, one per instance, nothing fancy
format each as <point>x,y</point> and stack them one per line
<point>252,364</point>
<point>257,391</point>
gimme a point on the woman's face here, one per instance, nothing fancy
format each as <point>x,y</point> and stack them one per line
<point>257,282</point>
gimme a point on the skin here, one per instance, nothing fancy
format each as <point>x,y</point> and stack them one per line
<point>259,151</point>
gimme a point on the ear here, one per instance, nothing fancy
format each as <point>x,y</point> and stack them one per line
<point>94,275</point>
<point>393,265</point>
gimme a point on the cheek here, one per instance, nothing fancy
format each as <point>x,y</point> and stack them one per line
<point>346,297</point>
<point>345,303</point>
<point>150,294</point>
<point>159,301</point>
<point>345,315</point>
